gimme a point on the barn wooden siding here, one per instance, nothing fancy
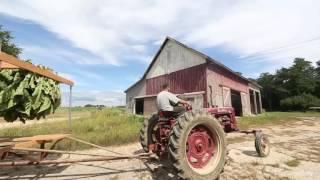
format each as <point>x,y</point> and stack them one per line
<point>227,79</point>
<point>220,79</point>
<point>192,79</point>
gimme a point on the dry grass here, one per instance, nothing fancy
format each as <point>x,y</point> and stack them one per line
<point>103,127</point>
<point>293,163</point>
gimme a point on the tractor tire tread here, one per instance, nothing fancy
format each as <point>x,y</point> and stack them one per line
<point>176,141</point>
<point>144,131</point>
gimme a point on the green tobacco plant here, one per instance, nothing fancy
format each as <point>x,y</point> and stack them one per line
<point>25,95</point>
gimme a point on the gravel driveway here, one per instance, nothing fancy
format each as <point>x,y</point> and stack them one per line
<point>295,154</point>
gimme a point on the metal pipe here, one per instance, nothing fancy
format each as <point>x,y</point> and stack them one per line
<point>59,152</point>
<point>70,106</point>
<point>46,162</point>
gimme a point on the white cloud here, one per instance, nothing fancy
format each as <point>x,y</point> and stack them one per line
<point>81,98</point>
<point>268,31</point>
<point>113,30</point>
<point>59,54</point>
<point>119,31</point>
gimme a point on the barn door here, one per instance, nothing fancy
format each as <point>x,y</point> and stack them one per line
<point>226,96</point>
<point>244,103</point>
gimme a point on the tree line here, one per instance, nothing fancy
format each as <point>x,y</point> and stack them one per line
<point>294,88</point>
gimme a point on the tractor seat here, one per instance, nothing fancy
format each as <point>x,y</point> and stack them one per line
<point>166,114</point>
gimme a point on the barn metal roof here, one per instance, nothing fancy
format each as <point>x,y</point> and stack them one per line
<point>208,59</point>
<point>255,83</point>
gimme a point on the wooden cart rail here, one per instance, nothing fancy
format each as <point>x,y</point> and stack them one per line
<point>20,147</point>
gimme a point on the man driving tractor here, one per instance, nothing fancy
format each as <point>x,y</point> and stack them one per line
<point>168,102</point>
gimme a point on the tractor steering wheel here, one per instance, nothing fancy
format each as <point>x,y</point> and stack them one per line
<point>188,107</point>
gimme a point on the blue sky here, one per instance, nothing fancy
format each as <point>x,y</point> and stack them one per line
<point>105,46</point>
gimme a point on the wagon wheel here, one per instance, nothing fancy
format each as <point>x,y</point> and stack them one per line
<point>197,147</point>
<point>262,144</point>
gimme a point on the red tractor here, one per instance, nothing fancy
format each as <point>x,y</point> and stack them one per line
<point>195,141</point>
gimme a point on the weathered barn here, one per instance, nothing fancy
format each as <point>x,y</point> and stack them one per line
<point>196,77</point>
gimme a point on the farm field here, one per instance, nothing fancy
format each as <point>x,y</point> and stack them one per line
<point>294,155</point>
<point>60,115</point>
<point>111,126</point>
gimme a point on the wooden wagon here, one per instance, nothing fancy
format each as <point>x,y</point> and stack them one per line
<point>33,150</point>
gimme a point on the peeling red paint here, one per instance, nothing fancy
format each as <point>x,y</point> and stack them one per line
<point>184,81</point>
<point>224,78</point>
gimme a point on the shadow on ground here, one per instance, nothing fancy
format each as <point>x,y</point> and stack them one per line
<point>155,168</point>
<point>251,153</point>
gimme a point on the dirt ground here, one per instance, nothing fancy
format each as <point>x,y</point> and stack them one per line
<point>295,154</point>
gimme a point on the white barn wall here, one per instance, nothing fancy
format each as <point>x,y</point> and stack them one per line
<point>137,90</point>
<point>174,57</point>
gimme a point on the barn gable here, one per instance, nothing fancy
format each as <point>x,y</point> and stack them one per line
<point>172,57</point>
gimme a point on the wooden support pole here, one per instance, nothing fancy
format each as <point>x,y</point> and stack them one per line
<point>255,102</point>
<point>70,107</point>
<point>93,145</point>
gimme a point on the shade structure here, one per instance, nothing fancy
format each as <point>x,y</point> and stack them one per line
<point>8,61</point>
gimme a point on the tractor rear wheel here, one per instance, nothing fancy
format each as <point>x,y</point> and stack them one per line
<point>197,146</point>
<point>147,132</point>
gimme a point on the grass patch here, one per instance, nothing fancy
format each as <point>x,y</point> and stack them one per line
<point>76,111</point>
<point>293,163</point>
<point>113,126</point>
<point>103,127</point>
<point>273,118</point>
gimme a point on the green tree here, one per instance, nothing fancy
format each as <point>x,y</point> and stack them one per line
<point>6,43</point>
<point>300,78</point>
<point>272,90</point>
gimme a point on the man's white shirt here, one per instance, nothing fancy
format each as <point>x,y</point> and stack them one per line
<point>165,100</point>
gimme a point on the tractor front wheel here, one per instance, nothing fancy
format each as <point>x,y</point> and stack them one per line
<point>197,146</point>
<point>262,144</point>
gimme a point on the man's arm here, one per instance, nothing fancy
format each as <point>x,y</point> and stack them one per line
<point>181,101</point>
<point>174,99</point>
